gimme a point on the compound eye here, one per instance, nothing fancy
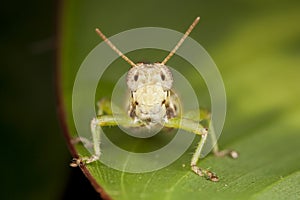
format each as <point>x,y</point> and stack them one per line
<point>166,77</point>
<point>136,77</point>
<point>162,76</point>
<point>133,79</point>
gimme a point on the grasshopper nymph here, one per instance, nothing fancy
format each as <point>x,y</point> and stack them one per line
<point>152,103</point>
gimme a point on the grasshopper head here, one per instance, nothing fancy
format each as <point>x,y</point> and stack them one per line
<point>150,86</point>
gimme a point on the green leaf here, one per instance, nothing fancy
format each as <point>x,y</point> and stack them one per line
<point>258,57</point>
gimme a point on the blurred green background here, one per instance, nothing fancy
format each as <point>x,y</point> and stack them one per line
<point>255,44</point>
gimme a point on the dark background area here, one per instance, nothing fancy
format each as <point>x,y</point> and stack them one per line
<point>35,157</point>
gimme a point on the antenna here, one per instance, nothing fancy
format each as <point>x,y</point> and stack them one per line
<point>113,47</point>
<point>181,41</point>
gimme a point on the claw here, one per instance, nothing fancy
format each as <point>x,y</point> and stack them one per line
<point>206,173</point>
<point>211,176</point>
<point>84,160</point>
<point>76,162</point>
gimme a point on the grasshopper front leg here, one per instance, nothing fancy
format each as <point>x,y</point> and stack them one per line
<point>195,159</point>
<point>186,125</point>
<point>104,118</point>
<point>205,119</point>
<point>96,132</point>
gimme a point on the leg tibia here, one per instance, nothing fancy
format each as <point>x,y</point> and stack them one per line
<point>196,156</point>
